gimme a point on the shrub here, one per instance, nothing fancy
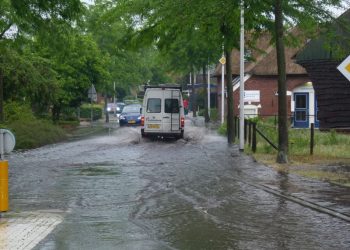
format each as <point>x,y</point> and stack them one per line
<point>35,133</point>
<point>18,111</point>
<point>214,114</point>
<point>85,111</point>
<point>222,130</point>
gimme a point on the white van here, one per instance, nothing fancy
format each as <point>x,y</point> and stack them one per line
<point>162,112</point>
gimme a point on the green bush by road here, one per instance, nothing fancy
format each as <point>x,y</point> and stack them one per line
<point>29,131</point>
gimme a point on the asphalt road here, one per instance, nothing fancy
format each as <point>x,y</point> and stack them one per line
<point>119,191</point>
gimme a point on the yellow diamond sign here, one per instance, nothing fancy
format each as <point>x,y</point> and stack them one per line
<point>348,68</point>
<point>344,68</point>
<point>222,60</point>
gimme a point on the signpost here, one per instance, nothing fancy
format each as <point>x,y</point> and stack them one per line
<point>7,144</point>
<point>344,67</point>
<point>222,61</point>
<point>241,86</point>
<point>93,97</point>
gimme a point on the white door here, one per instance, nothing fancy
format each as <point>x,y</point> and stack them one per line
<point>171,113</point>
<point>153,113</point>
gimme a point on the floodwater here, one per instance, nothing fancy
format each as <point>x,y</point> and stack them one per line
<point>119,191</point>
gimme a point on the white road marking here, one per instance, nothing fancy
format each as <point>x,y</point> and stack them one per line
<point>26,230</point>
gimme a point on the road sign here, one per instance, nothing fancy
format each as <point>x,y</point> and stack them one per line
<point>344,67</point>
<point>92,93</point>
<point>7,142</point>
<point>222,60</point>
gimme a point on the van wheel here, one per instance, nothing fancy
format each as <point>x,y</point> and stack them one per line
<point>143,133</point>
<point>181,136</point>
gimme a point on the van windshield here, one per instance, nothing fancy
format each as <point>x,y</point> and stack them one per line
<point>171,106</point>
<point>153,105</point>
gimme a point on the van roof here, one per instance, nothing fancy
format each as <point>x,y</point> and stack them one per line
<point>163,87</point>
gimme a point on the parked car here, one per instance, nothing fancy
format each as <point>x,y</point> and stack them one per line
<point>111,107</point>
<point>120,106</point>
<point>131,115</point>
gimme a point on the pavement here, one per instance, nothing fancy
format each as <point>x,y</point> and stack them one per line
<point>26,229</point>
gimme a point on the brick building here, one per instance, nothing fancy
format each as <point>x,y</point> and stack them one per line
<point>261,85</point>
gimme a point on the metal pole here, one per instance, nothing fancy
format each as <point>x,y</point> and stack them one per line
<point>91,98</point>
<point>91,113</point>
<point>241,87</point>
<point>2,150</point>
<point>222,89</point>
<point>208,89</point>
<point>114,104</point>
<point>312,139</point>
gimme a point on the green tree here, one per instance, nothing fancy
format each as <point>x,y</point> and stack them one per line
<point>20,23</point>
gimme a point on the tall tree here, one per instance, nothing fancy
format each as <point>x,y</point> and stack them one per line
<point>21,21</point>
<point>282,156</point>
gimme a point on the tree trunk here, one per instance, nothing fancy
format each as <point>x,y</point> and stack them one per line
<point>56,110</point>
<point>230,108</point>
<point>193,96</point>
<point>1,96</point>
<point>282,156</point>
<point>107,113</point>
<point>206,111</point>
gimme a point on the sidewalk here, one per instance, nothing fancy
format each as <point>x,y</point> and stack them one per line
<point>26,229</point>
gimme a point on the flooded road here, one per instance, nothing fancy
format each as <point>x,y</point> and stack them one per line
<point>119,191</point>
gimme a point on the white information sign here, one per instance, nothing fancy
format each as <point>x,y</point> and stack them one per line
<point>252,95</point>
<point>7,142</point>
<point>344,67</point>
<point>92,93</point>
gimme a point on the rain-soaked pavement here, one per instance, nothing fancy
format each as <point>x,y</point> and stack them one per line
<point>119,191</point>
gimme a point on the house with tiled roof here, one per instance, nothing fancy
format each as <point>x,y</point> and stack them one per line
<point>261,85</point>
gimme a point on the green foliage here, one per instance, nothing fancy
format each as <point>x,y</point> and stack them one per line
<point>15,111</point>
<point>331,138</point>
<point>85,111</point>
<point>327,144</point>
<point>222,130</point>
<point>32,133</point>
<point>214,114</point>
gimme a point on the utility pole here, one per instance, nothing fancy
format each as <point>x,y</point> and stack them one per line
<point>114,104</point>
<point>208,89</point>
<point>241,87</point>
<point>222,61</point>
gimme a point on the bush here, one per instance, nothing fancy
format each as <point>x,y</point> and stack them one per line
<point>32,133</point>
<point>15,111</point>
<point>85,111</point>
<point>214,114</point>
<point>222,130</point>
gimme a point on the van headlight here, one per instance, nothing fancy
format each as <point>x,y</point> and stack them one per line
<point>108,109</point>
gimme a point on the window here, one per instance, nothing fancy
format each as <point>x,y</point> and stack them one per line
<point>300,115</point>
<point>153,105</point>
<point>300,101</point>
<point>171,106</point>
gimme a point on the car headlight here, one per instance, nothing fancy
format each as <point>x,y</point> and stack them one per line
<point>121,117</point>
<point>139,118</point>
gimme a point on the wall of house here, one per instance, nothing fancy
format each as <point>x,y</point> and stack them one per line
<point>333,93</point>
<point>268,87</point>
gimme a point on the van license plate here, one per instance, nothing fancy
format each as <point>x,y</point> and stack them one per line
<point>153,126</point>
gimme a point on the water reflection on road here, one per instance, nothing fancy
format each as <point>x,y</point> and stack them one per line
<point>124,192</point>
